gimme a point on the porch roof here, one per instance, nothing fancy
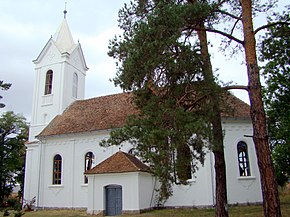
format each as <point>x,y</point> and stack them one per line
<point>120,162</point>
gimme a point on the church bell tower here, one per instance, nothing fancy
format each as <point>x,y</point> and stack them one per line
<point>60,71</point>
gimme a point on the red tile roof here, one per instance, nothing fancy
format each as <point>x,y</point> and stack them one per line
<point>234,107</point>
<point>98,113</point>
<point>120,162</point>
<point>112,111</point>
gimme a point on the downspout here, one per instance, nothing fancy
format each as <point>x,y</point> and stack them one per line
<point>212,179</point>
<point>73,174</point>
<point>93,195</point>
<point>39,173</point>
<point>153,190</point>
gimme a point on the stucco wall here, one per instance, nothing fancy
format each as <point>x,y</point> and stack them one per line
<point>137,191</point>
<point>74,193</point>
<point>31,172</point>
<point>199,190</point>
<point>147,185</point>
<point>241,189</point>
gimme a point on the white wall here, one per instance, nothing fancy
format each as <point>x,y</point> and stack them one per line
<point>137,191</point>
<point>241,189</point>
<point>201,191</point>
<point>72,192</point>
<point>198,192</point>
<point>31,172</point>
<point>147,184</point>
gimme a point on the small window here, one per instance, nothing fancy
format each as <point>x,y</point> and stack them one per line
<point>183,163</point>
<point>75,86</point>
<point>132,151</point>
<point>57,161</point>
<point>48,82</point>
<point>89,158</point>
<point>243,159</point>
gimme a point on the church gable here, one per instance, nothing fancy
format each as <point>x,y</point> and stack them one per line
<point>49,54</point>
<point>62,46</point>
<point>77,59</point>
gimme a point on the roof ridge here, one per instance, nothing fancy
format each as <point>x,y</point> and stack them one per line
<point>98,97</point>
<point>133,163</point>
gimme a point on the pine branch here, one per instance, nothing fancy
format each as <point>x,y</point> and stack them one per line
<point>270,25</point>
<point>236,87</point>
<point>232,31</point>
<point>229,36</point>
<point>230,15</point>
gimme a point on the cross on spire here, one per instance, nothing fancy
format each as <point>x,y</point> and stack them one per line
<point>65,11</point>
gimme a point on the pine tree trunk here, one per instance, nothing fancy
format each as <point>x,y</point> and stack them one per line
<point>271,202</point>
<point>217,140</point>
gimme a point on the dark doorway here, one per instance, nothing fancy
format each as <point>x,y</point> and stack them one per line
<point>113,200</point>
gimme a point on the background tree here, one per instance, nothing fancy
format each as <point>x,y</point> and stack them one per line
<point>275,52</point>
<point>13,134</point>
<point>3,86</point>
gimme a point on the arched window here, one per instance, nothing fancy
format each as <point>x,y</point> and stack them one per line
<point>57,161</point>
<point>48,82</point>
<point>75,86</point>
<point>89,158</point>
<point>183,163</point>
<point>243,159</point>
<point>132,151</point>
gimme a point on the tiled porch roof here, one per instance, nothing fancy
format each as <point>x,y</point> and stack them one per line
<point>120,162</point>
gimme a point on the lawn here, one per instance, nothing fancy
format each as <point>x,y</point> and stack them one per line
<point>234,211</point>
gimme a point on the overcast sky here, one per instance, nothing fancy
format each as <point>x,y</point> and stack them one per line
<point>26,26</point>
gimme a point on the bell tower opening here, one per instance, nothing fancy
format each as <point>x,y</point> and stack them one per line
<point>48,82</point>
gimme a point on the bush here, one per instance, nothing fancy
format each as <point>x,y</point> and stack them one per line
<point>6,213</point>
<point>19,213</point>
<point>11,202</point>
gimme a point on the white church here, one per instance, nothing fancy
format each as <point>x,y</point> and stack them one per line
<point>67,168</point>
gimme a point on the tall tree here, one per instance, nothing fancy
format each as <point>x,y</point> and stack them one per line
<point>275,52</point>
<point>3,86</point>
<point>13,134</point>
<point>215,120</point>
<point>241,14</point>
<point>271,201</point>
<point>154,55</point>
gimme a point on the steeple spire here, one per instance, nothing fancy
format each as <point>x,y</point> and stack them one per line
<point>63,37</point>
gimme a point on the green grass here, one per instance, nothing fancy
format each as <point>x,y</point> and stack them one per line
<point>234,211</point>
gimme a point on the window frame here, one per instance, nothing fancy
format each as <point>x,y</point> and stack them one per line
<point>75,85</point>
<point>89,161</point>
<point>48,82</point>
<point>243,159</point>
<point>57,170</point>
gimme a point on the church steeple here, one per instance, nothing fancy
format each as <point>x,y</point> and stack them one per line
<point>60,78</point>
<point>63,38</point>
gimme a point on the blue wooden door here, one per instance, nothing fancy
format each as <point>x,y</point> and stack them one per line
<point>113,200</point>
